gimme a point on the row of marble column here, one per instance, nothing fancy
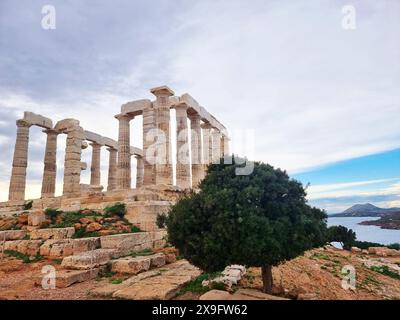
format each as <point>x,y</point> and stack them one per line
<point>208,145</point>
<point>72,164</point>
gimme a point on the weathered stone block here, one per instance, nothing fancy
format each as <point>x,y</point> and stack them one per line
<point>131,265</point>
<point>157,260</point>
<point>66,278</point>
<point>28,247</point>
<point>52,233</point>
<point>36,218</point>
<point>127,243</point>
<point>88,260</point>
<point>12,235</point>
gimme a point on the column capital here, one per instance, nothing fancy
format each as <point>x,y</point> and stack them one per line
<point>206,125</point>
<point>95,144</point>
<point>23,123</point>
<point>51,131</point>
<point>163,91</point>
<point>126,117</point>
<point>181,105</point>
<point>112,149</point>
<point>194,116</point>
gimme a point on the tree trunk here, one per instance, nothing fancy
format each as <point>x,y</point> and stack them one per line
<point>266,274</point>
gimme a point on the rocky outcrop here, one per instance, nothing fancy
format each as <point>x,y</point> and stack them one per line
<point>52,233</point>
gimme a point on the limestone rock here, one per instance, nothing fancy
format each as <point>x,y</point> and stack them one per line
<point>355,250</point>
<point>94,226</point>
<point>127,243</point>
<point>12,235</point>
<point>28,247</point>
<point>131,265</point>
<point>88,260</point>
<point>36,218</point>
<point>53,233</point>
<point>157,260</point>
<point>66,278</point>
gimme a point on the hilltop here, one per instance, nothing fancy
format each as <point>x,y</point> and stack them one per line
<point>366,210</point>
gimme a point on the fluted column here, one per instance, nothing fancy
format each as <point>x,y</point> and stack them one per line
<point>182,147</point>
<point>224,145</point>
<point>216,146</point>
<point>20,162</point>
<point>163,146</point>
<point>196,144</point>
<point>124,153</point>
<point>95,164</point>
<point>50,165</point>
<point>112,169</point>
<point>72,164</point>
<point>207,143</point>
<point>149,127</point>
<point>139,171</point>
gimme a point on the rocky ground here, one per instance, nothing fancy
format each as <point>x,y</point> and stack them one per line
<point>316,275</point>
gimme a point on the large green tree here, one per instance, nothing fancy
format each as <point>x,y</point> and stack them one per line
<point>259,220</point>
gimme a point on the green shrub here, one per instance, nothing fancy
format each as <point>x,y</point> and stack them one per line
<point>196,286</point>
<point>52,214</point>
<point>117,209</point>
<point>24,257</point>
<point>385,271</point>
<point>116,280</point>
<point>28,205</point>
<point>82,233</point>
<point>161,220</point>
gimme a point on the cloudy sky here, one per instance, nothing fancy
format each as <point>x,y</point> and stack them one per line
<point>311,96</point>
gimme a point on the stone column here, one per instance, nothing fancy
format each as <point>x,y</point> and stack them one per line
<point>139,171</point>
<point>149,127</point>
<point>207,143</point>
<point>224,145</point>
<point>182,147</point>
<point>112,169</point>
<point>50,165</point>
<point>197,145</point>
<point>216,146</point>
<point>20,162</point>
<point>163,146</point>
<point>124,153</point>
<point>95,165</point>
<point>72,164</point>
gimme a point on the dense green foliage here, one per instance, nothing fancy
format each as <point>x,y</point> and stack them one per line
<point>52,214</point>
<point>255,220</point>
<point>341,234</point>
<point>117,209</point>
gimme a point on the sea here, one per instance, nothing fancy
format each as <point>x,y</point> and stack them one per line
<point>366,233</point>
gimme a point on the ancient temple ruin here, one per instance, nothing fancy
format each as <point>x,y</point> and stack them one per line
<point>206,141</point>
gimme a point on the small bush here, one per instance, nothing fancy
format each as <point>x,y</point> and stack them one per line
<point>82,233</point>
<point>52,214</point>
<point>161,220</point>
<point>24,257</point>
<point>117,209</point>
<point>28,205</point>
<point>135,229</point>
<point>385,271</point>
<point>116,281</point>
<point>196,286</point>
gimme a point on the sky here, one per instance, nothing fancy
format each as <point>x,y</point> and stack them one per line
<point>293,85</point>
